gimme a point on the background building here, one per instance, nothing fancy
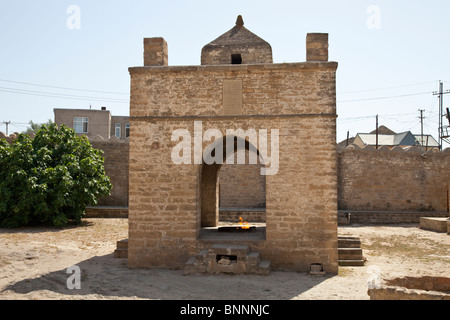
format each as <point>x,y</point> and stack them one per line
<point>107,133</point>
<point>388,138</point>
<point>94,123</point>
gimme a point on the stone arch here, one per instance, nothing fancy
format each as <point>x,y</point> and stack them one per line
<point>209,175</point>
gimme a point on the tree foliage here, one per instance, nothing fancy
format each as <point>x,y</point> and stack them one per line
<point>35,127</point>
<point>50,179</point>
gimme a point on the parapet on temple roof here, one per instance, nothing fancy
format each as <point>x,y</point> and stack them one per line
<point>237,46</point>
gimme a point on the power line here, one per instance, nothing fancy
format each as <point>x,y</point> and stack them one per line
<point>76,97</point>
<point>64,88</point>
<point>406,125</point>
<point>387,97</point>
<point>383,115</point>
<point>59,95</point>
<point>387,88</point>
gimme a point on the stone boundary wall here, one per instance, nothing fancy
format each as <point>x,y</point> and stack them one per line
<point>242,185</point>
<point>375,186</point>
<point>116,154</point>
<point>396,180</point>
<point>390,217</point>
<point>247,214</point>
<point>106,212</point>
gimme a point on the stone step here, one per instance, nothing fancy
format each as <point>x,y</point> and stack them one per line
<point>349,254</point>
<point>264,267</point>
<point>122,244</point>
<point>349,243</point>
<point>254,254</point>
<point>348,237</point>
<point>351,263</point>
<point>350,251</point>
<point>253,259</point>
<point>121,253</point>
<point>121,249</point>
<point>202,254</point>
<point>191,261</point>
<point>190,266</point>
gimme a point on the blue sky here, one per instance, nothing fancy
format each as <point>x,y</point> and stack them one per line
<point>390,60</point>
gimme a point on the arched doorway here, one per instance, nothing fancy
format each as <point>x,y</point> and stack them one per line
<point>238,157</point>
<point>242,191</point>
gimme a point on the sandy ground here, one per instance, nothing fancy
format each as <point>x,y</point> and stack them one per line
<point>34,262</point>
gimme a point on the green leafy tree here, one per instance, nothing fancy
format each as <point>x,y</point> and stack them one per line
<point>50,179</point>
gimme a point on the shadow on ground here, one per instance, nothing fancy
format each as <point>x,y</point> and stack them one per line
<point>45,228</point>
<point>110,278</point>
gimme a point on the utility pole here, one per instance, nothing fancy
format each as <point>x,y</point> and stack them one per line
<point>376,131</point>
<point>448,116</point>
<point>421,126</point>
<point>441,135</point>
<point>7,124</point>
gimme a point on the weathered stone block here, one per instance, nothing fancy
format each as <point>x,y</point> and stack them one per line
<point>317,47</point>
<point>434,224</point>
<point>155,52</point>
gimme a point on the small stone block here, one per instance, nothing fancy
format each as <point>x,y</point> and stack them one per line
<point>316,269</point>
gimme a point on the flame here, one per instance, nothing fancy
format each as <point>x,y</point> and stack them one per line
<point>243,224</point>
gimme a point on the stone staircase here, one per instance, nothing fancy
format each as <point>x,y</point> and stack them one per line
<point>349,251</point>
<point>227,258</point>
<point>121,249</point>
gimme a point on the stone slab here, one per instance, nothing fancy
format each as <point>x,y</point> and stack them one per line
<point>435,224</point>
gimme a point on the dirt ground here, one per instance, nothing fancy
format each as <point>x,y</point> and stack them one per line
<point>34,262</point>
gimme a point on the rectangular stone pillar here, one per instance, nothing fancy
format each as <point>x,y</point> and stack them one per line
<point>155,52</point>
<point>317,47</point>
